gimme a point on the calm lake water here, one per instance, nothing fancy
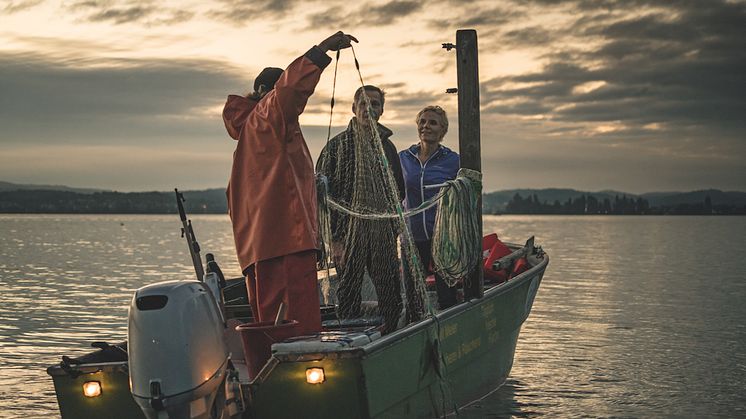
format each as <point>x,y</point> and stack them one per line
<point>636,316</point>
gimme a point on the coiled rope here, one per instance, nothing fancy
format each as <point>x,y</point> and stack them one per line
<point>457,243</point>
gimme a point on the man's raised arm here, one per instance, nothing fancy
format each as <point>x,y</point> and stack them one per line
<point>299,80</point>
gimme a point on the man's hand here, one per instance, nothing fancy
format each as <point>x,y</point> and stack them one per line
<point>336,42</point>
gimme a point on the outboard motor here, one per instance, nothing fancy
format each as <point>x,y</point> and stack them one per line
<point>178,357</point>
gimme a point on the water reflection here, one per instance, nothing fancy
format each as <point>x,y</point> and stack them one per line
<point>629,320</point>
<point>636,316</point>
<point>68,281</point>
<point>498,403</point>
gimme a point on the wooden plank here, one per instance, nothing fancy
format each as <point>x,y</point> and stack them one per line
<point>467,68</point>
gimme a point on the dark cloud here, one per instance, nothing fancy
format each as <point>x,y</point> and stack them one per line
<point>681,63</point>
<point>639,93</point>
<point>473,16</point>
<point>127,124</point>
<point>531,36</point>
<point>124,15</point>
<point>334,14</point>
<point>330,17</point>
<point>242,12</point>
<point>18,6</point>
<point>585,5</point>
<point>136,99</point>
<point>646,28</point>
<point>520,108</point>
<point>173,17</point>
<point>86,4</point>
<point>142,12</point>
<point>368,14</point>
<point>389,12</point>
<point>395,85</point>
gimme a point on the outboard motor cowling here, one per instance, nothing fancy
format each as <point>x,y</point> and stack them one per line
<point>177,353</point>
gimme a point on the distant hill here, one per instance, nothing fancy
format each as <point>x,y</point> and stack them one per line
<point>495,202</point>
<point>7,186</point>
<point>717,197</point>
<point>15,198</point>
<point>39,201</point>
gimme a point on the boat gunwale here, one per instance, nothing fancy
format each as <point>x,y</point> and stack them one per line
<point>457,309</point>
<point>369,348</point>
<point>87,368</point>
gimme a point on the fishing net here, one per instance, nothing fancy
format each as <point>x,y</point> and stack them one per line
<point>371,269</point>
<point>365,238</point>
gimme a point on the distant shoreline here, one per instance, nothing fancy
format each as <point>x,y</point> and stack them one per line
<point>508,202</point>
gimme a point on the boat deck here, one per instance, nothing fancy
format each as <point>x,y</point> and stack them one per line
<point>339,338</point>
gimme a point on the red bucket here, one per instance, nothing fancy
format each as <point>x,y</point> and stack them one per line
<point>257,339</point>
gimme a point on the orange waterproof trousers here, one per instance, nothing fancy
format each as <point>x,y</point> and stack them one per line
<point>290,279</point>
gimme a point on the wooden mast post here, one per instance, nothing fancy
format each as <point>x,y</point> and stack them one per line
<point>467,69</point>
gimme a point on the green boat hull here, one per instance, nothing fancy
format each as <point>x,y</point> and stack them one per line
<point>421,371</point>
<point>115,402</point>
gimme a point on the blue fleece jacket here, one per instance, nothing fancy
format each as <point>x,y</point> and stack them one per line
<point>443,165</point>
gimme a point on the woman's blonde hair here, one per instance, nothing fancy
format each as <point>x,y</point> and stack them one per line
<point>438,111</point>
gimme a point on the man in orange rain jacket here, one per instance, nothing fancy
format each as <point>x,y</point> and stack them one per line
<point>272,191</point>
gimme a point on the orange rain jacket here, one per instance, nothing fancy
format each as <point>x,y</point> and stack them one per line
<point>272,191</point>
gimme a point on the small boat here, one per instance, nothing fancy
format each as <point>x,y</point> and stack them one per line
<point>426,369</point>
<point>193,350</point>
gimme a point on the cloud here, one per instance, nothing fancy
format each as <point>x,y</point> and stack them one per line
<point>531,36</point>
<point>519,108</point>
<point>682,65</point>
<point>19,6</point>
<point>144,12</point>
<point>640,94</point>
<point>330,17</point>
<point>338,14</point>
<point>124,15</point>
<point>390,12</point>
<point>130,124</point>
<point>481,16</point>
<point>139,100</point>
<point>244,11</point>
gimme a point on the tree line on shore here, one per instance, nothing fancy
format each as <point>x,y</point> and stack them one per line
<point>590,205</point>
<point>213,201</point>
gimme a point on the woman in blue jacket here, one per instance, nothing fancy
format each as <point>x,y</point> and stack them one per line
<point>428,163</point>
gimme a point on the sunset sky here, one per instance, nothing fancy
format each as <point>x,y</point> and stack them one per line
<point>630,95</point>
